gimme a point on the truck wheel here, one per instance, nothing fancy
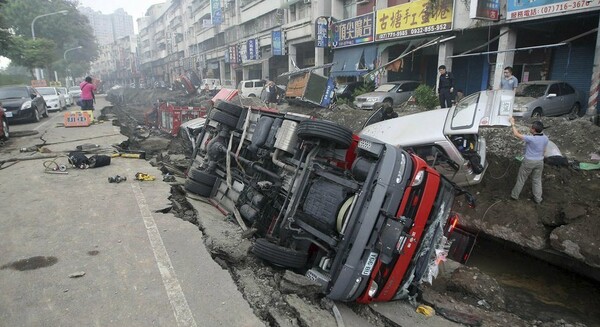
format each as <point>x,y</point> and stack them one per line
<point>340,136</point>
<point>5,133</point>
<point>225,119</point>
<point>278,255</point>
<point>229,108</point>
<point>202,177</point>
<point>197,188</point>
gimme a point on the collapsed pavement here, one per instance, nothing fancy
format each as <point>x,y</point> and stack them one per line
<point>563,227</point>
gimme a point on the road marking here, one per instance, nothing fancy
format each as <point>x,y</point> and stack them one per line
<point>50,118</point>
<point>181,309</point>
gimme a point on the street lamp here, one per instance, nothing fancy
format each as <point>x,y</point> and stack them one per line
<point>68,77</point>
<point>64,12</point>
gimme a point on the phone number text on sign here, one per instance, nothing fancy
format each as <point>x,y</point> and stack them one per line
<point>415,31</point>
<point>553,8</point>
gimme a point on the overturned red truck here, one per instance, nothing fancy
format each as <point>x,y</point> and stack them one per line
<point>365,219</point>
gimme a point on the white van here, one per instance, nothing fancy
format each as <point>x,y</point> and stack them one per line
<point>448,139</point>
<point>251,87</point>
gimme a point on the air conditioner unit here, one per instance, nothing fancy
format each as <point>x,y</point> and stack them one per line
<point>306,1</point>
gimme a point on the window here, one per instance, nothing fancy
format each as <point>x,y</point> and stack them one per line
<point>248,84</point>
<point>408,87</point>
<point>554,89</point>
<point>567,89</point>
<point>260,84</point>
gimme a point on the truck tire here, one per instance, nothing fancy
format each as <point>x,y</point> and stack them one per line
<point>225,119</point>
<point>327,131</point>
<point>230,108</point>
<point>278,255</point>
<point>197,188</point>
<point>202,177</point>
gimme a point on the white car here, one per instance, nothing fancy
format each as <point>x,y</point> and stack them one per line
<point>251,88</point>
<point>54,100</point>
<point>75,93</point>
<point>68,97</point>
<point>448,139</point>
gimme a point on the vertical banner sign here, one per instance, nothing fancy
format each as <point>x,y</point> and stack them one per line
<point>252,49</point>
<point>227,56</point>
<point>485,9</point>
<point>276,43</point>
<point>216,12</point>
<point>414,18</point>
<point>233,55</point>
<point>353,31</point>
<point>322,32</point>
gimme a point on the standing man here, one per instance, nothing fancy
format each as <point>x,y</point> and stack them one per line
<point>509,82</point>
<point>271,94</point>
<point>533,161</point>
<point>445,87</point>
<point>87,94</point>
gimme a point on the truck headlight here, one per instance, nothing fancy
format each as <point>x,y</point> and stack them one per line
<point>373,289</point>
<point>26,105</point>
<point>418,178</point>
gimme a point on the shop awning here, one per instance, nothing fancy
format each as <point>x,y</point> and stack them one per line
<point>347,61</point>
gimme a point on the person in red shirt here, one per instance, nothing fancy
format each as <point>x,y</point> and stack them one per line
<point>87,94</point>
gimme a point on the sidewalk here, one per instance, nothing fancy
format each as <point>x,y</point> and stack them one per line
<point>142,267</point>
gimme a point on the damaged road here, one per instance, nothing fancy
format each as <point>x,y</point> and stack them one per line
<point>261,284</point>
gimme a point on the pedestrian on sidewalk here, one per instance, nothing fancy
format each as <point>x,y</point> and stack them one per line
<point>271,94</point>
<point>533,160</point>
<point>445,87</point>
<point>87,94</point>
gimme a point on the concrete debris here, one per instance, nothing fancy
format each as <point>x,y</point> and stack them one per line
<point>293,283</point>
<point>77,274</point>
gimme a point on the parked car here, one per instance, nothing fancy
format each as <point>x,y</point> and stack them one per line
<point>75,92</point>
<point>365,219</point>
<point>54,100</point>
<point>535,99</point>
<point>22,102</point>
<point>393,93</point>
<point>68,97</point>
<point>346,90</point>
<point>4,130</point>
<point>251,88</point>
<point>449,139</point>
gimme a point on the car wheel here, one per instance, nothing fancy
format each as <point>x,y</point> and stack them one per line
<point>327,131</point>
<point>197,188</point>
<point>45,113</point>
<point>229,108</point>
<point>225,119</point>
<point>5,133</point>
<point>574,112</point>
<point>202,177</point>
<point>278,255</point>
<point>537,113</point>
<point>388,102</point>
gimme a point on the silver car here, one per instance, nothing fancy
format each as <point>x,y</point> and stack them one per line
<point>393,93</point>
<point>546,98</point>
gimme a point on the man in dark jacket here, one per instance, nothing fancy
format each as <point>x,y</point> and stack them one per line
<point>445,87</point>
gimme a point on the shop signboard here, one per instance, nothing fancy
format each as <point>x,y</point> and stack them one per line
<point>521,9</point>
<point>354,31</point>
<point>233,56</point>
<point>216,12</point>
<point>277,43</point>
<point>322,32</point>
<point>252,49</point>
<point>419,17</point>
<point>485,9</point>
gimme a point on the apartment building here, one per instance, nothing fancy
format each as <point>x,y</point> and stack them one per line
<point>107,28</point>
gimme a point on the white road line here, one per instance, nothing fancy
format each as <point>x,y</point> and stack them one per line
<point>181,309</point>
<point>50,119</point>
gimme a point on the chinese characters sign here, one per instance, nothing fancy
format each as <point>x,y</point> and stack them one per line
<point>276,43</point>
<point>233,54</point>
<point>485,9</point>
<point>252,49</point>
<point>216,12</point>
<point>521,9</point>
<point>414,18</point>
<point>353,31</point>
<point>322,32</point>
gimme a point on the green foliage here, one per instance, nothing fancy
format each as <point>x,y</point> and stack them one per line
<point>5,41</point>
<point>14,79</point>
<point>365,88</point>
<point>31,53</point>
<point>66,31</point>
<point>425,96</point>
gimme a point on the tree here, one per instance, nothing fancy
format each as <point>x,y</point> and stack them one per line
<point>5,41</point>
<point>31,53</point>
<point>66,31</point>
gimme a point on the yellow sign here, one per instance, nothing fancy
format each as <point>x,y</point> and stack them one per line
<point>414,18</point>
<point>55,83</point>
<point>77,119</point>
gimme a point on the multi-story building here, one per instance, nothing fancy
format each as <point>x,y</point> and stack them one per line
<point>118,62</point>
<point>381,39</point>
<point>107,28</point>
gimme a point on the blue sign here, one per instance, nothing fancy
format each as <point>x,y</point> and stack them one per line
<point>227,56</point>
<point>276,43</point>
<point>354,31</point>
<point>252,49</point>
<point>216,12</point>
<point>329,89</point>
<point>520,9</point>
<point>322,32</point>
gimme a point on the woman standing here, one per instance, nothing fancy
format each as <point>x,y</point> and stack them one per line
<point>87,94</point>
